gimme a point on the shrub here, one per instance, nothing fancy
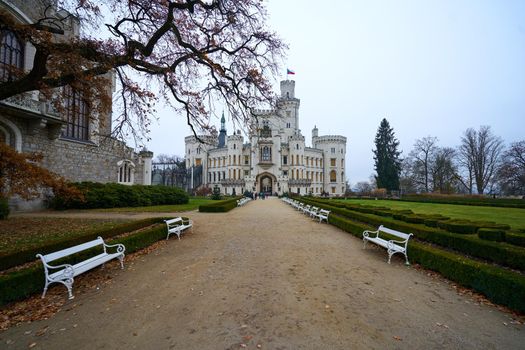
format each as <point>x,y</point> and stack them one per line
<point>491,234</point>
<point>458,226</point>
<point>4,208</point>
<point>515,238</point>
<point>219,207</point>
<point>112,195</point>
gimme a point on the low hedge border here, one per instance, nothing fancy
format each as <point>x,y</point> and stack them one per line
<point>112,195</point>
<point>490,234</point>
<point>498,252</point>
<point>24,283</point>
<point>515,238</point>
<point>219,206</point>
<point>497,284</point>
<point>8,261</point>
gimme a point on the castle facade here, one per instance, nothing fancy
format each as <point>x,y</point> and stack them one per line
<point>276,159</point>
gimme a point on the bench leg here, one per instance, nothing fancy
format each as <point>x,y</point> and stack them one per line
<point>121,258</point>
<point>45,290</point>
<point>406,258</point>
<point>390,253</point>
<point>69,285</point>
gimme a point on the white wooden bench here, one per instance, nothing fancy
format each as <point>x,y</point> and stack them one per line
<point>177,226</point>
<point>322,214</point>
<point>392,246</point>
<point>66,272</point>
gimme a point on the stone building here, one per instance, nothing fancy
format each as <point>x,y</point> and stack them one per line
<point>75,143</point>
<point>275,159</point>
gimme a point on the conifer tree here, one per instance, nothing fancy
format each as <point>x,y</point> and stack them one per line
<point>386,156</point>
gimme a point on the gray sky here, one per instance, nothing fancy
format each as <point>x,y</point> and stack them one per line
<point>431,67</point>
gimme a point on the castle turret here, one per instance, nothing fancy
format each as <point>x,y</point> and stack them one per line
<point>288,89</point>
<point>222,133</point>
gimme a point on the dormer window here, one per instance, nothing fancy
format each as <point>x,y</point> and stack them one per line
<point>11,55</point>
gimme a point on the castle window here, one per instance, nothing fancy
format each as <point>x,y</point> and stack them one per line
<point>342,163</point>
<point>126,172</point>
<point>11,55</point>
<point>285,159</point>
<point>333,150</point>
<point>288,125</point>
<point>285,173</point>
<point>198,162</point>
<point>333,176</point>
<point>333,189</point>
<point>246,173</point>
<point>76,110</point>
<point>332,162</point>
<point>234,146</point>
<point>266,154</point>
<point>246,160</point>
<point>296,146</point>
<point>199,150</point>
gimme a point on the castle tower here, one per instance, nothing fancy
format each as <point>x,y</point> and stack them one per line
<point>288,106</point>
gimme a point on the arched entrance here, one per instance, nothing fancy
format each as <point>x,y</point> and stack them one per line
<point>267,183</point>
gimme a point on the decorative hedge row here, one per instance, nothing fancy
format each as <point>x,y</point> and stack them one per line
<point>498,252</point>
<point>515,238</point>
<point>24,283</point>
<point>219,206</point>
<point>466,200</point>
<point>112,195</point>
<point>498,284</point>
<point>21,257</point>
<point>491,234</point>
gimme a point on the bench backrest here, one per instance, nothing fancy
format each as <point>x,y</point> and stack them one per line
<point>173,221</point>
<point>324,211</point>
<point>73,250</point>
<point>394,232</point>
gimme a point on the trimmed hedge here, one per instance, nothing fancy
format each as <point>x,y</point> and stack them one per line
<point>498,252</point>
<point>498,284</point>
<point>219,207</point>
<point>491,234</point>
<point>22,284</point>
<point>21,257</point>
<point>112,195</point>
<point>515,238</point>
<point>465,200</point>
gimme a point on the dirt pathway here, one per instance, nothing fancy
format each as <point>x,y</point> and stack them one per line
<point>265,276</point>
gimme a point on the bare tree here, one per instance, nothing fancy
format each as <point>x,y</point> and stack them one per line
<point>511,175</point>
<point>479,156</point>
<point>183,53</point>
<point>423,155</point>
<point>444,170</point>
<point>364,188</point>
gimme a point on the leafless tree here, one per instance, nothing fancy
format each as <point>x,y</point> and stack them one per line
<point>511,174</point>
<point>444,170</point>
<point>479,156</point>
<point>182,53</point>
<point>422,158</point>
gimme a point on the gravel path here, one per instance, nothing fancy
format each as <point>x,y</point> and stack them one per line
<point>265,276</point>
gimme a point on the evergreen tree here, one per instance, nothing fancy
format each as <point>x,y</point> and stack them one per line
<point>386,156</point>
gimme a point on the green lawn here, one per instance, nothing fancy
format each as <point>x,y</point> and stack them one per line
<point>193,204</point>
<point>18,233</point>
<point>511,216</point>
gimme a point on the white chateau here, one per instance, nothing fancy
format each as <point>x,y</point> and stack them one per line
<point>276,158</point>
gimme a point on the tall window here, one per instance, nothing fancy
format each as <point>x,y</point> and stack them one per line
<point>333,176</point>
<point>11,55</point>
<point>285,159</point>
<point>332,161</point>
<point>266,154</point>
<point>77,121</point>
<point>126,172</point>
<point>246,160</point>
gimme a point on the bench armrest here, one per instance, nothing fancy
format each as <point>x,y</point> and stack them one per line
<point>120,247</point>
<point>367,233</point>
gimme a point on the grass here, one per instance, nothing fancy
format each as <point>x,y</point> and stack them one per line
<point>512,216</point>
<point>20,233</point>
<point>193,204</point>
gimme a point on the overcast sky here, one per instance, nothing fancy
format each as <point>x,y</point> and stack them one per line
<point>431,67</point>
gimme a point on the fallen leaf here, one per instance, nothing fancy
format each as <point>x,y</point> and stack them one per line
<point>32,345</point>
<point>397,337</point>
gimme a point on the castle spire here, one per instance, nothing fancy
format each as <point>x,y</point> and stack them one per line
<point>222,133</point>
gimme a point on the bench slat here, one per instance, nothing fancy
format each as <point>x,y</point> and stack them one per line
<point>73,250</point>
<point>394,232</point>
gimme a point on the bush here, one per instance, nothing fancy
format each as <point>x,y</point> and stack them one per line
<point>458,226</point>
<point>515,238</point>
<point>112,195</point>
<point>4,208</point>
<point>21,257</point>
<point>21,284</point>
<point>491,234</point>
<point>219,207</point>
